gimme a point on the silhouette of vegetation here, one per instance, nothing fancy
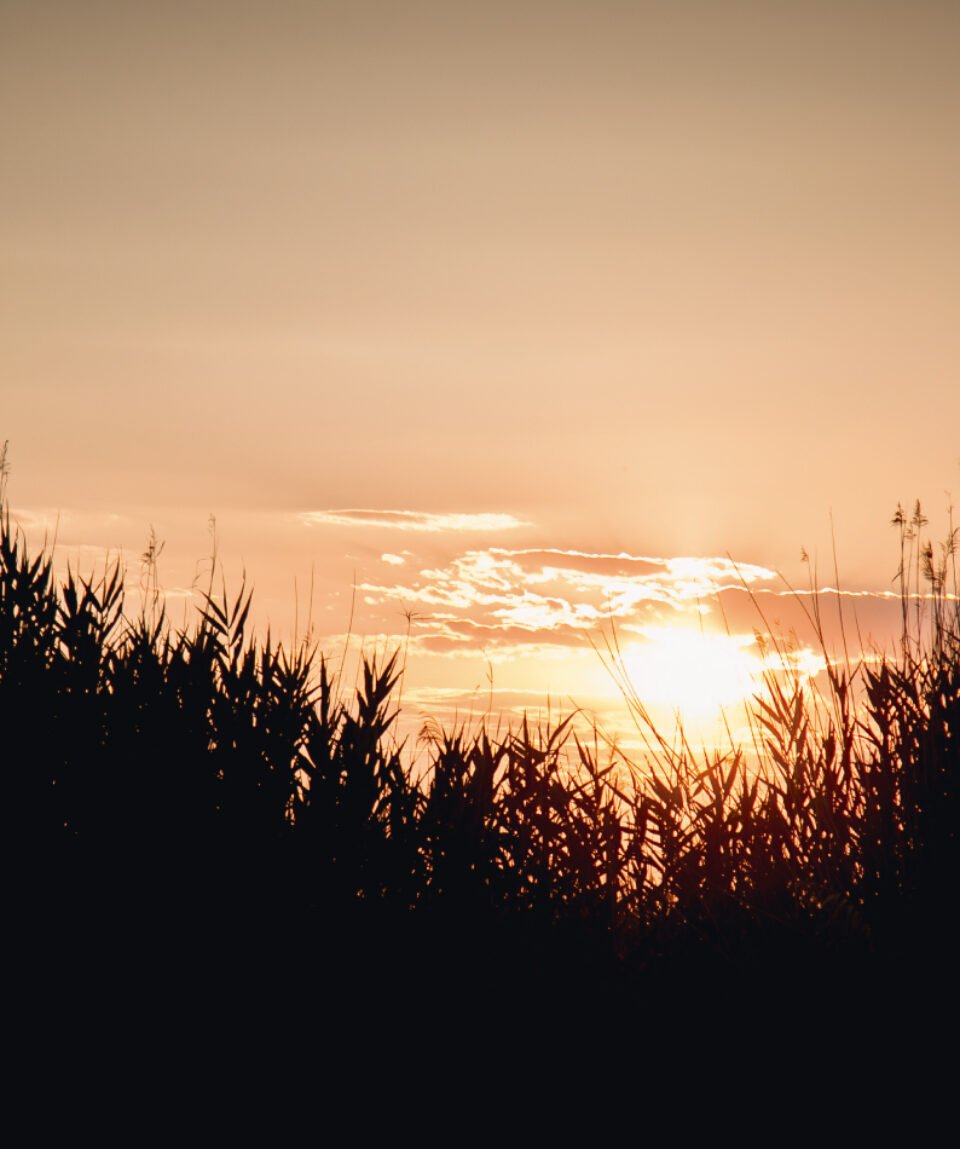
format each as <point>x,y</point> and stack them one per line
<point>213,802</point>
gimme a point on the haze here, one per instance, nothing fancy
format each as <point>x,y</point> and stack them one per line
<point>649,280</point>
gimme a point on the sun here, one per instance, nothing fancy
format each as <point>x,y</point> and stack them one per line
<point>692,674</point>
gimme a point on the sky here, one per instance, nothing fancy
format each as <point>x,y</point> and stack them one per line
<point>498,325</point>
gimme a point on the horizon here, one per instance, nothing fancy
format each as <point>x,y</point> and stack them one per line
<point>494,633</point>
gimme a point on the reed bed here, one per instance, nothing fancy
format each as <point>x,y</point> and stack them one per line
<point>190,785</point>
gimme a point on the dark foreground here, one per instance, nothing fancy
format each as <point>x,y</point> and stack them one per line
<point>214,852</point>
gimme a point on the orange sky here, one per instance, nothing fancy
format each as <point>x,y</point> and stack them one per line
<point>651,279</point>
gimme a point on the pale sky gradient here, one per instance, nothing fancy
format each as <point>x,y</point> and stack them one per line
<point>654,279</point>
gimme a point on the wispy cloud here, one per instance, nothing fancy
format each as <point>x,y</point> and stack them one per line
<point>497,595</point>
<point>413,520</point>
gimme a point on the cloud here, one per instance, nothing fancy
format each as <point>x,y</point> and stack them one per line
<point>466,637</point>
<point>495,701</point>
<point>606,564</point>
<point>500,602</point>
<point>497,596</point>
<point>413,520</point>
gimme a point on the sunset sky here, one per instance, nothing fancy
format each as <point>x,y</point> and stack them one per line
<point>501,324</point>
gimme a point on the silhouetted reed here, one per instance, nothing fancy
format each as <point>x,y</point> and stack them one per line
<point>199,776</point>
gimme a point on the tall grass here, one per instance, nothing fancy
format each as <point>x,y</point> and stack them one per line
<point>217,776</point>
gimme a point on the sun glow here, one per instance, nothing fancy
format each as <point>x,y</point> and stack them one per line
<point>692,673</point>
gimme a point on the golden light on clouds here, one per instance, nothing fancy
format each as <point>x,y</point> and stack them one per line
<point>496,595</point>
<point>414,521</point>
<point>489,624</point>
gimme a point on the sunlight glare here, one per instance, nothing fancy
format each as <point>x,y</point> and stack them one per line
<point>692,672</point>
